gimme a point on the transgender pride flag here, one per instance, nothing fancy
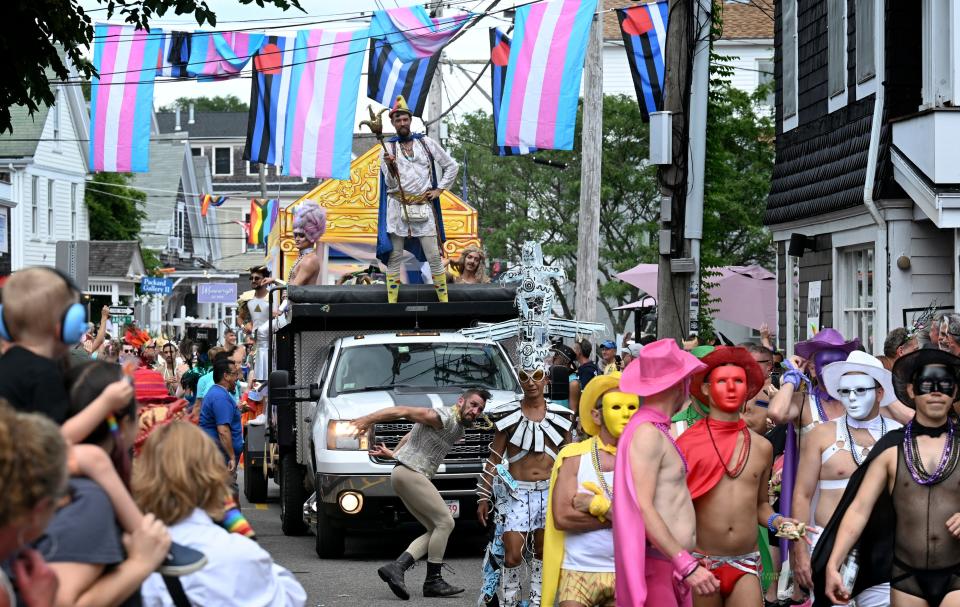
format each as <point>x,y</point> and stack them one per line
<point>539,105</point>
<point>323,102</point>
<point>121,98</point>
<point>219,55</point>
<point>412,33</point>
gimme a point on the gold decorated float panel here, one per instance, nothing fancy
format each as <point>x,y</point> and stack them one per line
<point>352,209</point>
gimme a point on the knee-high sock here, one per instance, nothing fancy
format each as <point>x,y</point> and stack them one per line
<point>440,285</point>
<point>511,587</point>
<point>536,582</point>
<point>393,287</point>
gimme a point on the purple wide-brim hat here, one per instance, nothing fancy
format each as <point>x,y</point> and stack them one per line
<point>657,367</point>
<point>826,339</point>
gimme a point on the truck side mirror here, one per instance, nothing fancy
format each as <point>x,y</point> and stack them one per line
<point>315,392</point>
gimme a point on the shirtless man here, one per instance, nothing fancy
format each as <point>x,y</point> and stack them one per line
<point>729,471</point>
<point>655,525</point>
<point>527,439</point>
<point>900,508</point>
<point>828,459</point>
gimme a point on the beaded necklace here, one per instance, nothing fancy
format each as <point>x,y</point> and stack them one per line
<point>854,445</point>
<point>293,270</point>
<point>948,458</point>
<point>665,429</point>
<point>599,469</point>
<point>741,464</point>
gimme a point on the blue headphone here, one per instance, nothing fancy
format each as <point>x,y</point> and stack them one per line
<point>74,322</point>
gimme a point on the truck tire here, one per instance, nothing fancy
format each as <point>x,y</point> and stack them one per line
<point>292,496</point>
<point>330,538</point>
<point>254,481</point>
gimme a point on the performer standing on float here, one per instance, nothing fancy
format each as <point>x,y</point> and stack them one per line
<point>900,509</point>
<point>833,451</point>
<point>414,171</point>
<point>578,540</point>
<point>729,472</point>
<point>655,523</point>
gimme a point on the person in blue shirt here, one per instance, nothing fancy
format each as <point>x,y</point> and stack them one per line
<point>219,414</point>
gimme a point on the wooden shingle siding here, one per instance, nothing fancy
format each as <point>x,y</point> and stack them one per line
<point>817,265</point>
<point>811,59</point>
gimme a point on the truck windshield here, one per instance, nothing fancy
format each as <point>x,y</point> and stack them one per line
<point>422,365</point>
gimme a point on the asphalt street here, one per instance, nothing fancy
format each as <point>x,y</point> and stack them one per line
<point>352,580</point>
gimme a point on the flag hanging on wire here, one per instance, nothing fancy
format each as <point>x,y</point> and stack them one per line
<point>263,216</point>
<point>412,33</point>
<point>644,30</point>
<point>269,95</point>
<point>220,55</point>
<point>121,97</point>
<point>174,55</point>
<point>389,76</point>
<point>542,87</point>
<point>208,201</point>
<point>321,112</point>
<point>499,56</point>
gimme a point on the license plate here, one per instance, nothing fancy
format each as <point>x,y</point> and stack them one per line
<point>454,506</point>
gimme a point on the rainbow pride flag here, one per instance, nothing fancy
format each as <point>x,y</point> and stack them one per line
<point>542,86</point>
<point>322,106</point>
<point>220,55</point>
<point>263,216</point>
<point>208,201</point>
<point>121,98</point>
<point>412,33</point>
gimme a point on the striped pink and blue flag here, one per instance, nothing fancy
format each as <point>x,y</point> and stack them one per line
<point>121,97</point>
<point>322,105</point>
<point>220,55</point>
<point>412,33</point>
<point>542,86</point>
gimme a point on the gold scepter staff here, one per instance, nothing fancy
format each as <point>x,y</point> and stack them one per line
<point>375,124</point>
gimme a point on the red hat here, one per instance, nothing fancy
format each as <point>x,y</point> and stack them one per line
<point>658,366</point>
<point>727,355</point>
<point>149,387</point>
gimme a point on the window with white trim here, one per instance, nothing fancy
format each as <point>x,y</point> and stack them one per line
<point>866,50</point>
<point>836,47</point>
<point>765,78</point>
<point>34,204</point>
<point>196,151</point>
<point>788,57</point>
<point>51,190</point>
<point>253,169</point>
<point>223,161</point>
<point>73,211</point>
<point>857,290</point>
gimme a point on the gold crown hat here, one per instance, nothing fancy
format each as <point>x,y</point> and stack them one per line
<point>400,107</point>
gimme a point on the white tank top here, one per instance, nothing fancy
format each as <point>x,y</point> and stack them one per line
<point>589,550</point>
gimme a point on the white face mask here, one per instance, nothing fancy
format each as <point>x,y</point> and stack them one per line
<point>860,405</point>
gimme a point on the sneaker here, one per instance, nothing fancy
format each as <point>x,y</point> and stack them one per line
<point>182,561</point>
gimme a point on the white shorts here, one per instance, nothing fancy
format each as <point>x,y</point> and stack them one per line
<point>525,509</point>
<point>874,596</point>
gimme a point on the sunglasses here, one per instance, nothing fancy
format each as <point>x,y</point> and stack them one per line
<point>846,392</point>
<point>127,351</point>
<point>926,385</point>
<point>299,234</point>
<point>526,377</point>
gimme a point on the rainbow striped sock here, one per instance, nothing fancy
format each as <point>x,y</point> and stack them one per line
<point>234,521</point>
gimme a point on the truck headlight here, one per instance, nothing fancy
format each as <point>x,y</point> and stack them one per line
<point>341,437</point>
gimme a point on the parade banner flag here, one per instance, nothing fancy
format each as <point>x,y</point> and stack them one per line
<point>269,95</point>
<point>322,107</point>
<point>644,30</point>
<point>263,216</point>
<point>412,33</point>
<point>389,76</point>
<point>174,55</point>
<point>121,98</point>
<point>539,105</point>
<point>499,57</point>
<point>210,201</point>
<point>220,55</point>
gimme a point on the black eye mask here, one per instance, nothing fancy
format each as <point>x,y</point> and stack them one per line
<point>935,379</point>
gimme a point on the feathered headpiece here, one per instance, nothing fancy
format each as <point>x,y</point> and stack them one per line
<point>311,218</point>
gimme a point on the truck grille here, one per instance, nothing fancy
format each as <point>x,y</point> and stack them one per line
<point>472,448</point>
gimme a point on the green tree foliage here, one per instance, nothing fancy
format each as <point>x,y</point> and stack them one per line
<point>54,32</point>
<point>115,211</point>
<point>227,103</point>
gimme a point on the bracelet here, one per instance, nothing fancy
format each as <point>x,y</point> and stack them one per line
<point>794,378</point>
<point>684,564</point>
<point>770,522</point>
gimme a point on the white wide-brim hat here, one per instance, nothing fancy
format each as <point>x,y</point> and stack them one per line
<point>859,362</point>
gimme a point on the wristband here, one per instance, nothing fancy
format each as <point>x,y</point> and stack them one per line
<point>684,564</point>
<point>794,378</point>
<point>770,522</point>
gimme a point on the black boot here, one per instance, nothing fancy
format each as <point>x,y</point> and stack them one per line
<point>392,574</point>
<point>435,585</point>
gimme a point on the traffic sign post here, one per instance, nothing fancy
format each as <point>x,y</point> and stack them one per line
<point>120,311</point>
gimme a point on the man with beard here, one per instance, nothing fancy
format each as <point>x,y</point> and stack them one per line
<point>729,470</point>
<point>414,171</point>
<point>528,436</point>
<point>899,510</point>
<point>470,268</point>
<point>255,314</point>
<point>832,452</point>
<point>418,456</point>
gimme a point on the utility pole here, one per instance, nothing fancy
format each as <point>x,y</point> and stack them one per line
<point>435,97</point>
<point>263,181</point>
<point>591,144</point>
<point>673,288</point>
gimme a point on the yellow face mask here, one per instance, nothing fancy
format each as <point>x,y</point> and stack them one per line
<point>618,408</point>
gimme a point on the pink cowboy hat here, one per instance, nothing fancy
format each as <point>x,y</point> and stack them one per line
<point>657,367</point>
